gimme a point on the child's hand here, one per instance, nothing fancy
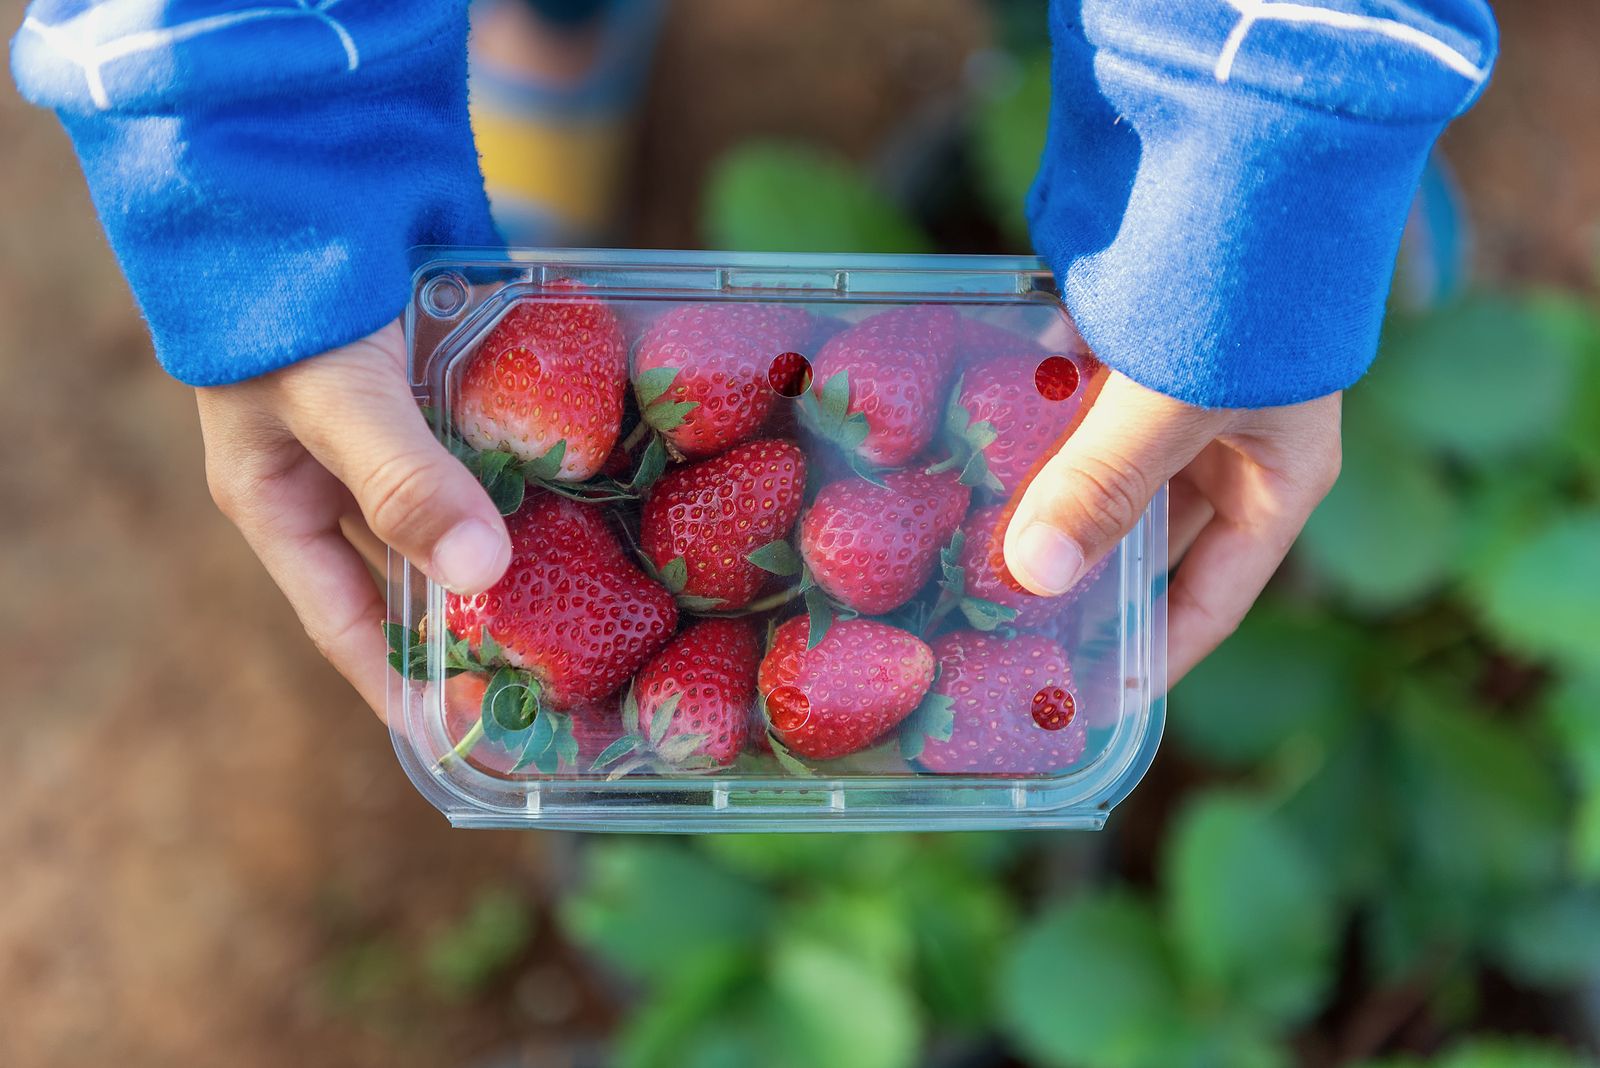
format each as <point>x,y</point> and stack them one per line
<point>333,444</point>
<point>1243,485</point>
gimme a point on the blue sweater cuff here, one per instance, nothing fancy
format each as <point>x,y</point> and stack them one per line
<point>262,171</point>
<point>1224,185</point>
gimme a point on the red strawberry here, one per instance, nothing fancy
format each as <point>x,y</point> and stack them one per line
<point>594,727</point>
<point>861,680</point>
<point>986,576</point>
<point>1029,400</point>
<point>991,684</point>
<point>573,607</point>
<point>978,340</point>
<point>715,513</point>
<point>872,547</point>
<point>897,365</point>
<point>711,671</point>
<point>550,371</point>
<point>703,371</point>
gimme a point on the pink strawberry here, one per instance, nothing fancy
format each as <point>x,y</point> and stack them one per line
<point>1029,401</point>
<point>1010,706</point>
<point>861,680</point>
<point>897,365</point>
<point>552,371</point>
<point>703,372</point>
<point>594,726</point>
<point>709,671</point>
<point>714,514</point>
<point>872,547</point>
<point>573,607</point>
<point>986,577</point>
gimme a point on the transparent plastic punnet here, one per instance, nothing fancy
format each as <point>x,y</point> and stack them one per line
<point>756,505</point>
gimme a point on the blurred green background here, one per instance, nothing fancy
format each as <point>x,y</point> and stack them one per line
<point>1372,836</point>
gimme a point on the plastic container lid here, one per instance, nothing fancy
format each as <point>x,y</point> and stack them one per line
<point>755,504</point>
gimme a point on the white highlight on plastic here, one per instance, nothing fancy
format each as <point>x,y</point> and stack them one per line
<point>1254,11</point>
<point>74,39</point>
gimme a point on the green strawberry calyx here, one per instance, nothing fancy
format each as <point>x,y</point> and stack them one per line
<point>656,408</point>
<point>826,411</point>
<point>512,715</point>
<point>934,718</point>
<point>966,439</point>
<point>636,749</point>
<point>506,479</point>
<point>674,575</point>
<point>780,752</point>
<point>980,613</point>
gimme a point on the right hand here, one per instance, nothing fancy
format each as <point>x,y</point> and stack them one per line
<point>329,460</point>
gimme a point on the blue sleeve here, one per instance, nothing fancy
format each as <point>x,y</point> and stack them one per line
<point>262,168</point>
<point>1225,181</point>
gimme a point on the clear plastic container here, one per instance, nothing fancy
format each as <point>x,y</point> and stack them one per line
<point>755,502</point>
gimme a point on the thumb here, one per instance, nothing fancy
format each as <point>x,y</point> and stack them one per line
<point>353,410</point>
<point>1091,493</point>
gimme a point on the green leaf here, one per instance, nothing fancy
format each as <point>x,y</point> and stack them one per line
<point>962,920</point>
<point>1541,597</point>
<point>546,468</point>
<point>1500,1053</point>
<point>1481,379</point>
<point>1482,814</point>
<point>1574,720</point>
<point>1007,132</point>
<point>986,615</point>
<point>661,718</point>
<point>777,557</point>
<point>652,908</point>
<point>1339,809</point>
<point>674,574</point>
<point>1280,677</point>
<point>819,612</point>
<point>1386,535</point>
<point>1250,917</point>
<point>649,385</point>
<point>934,718</point>
<point>1552,940</point>
<point>692,603</point>
<point>1090,982</point>
<point>699,1019</point>
<point>833,1011</point>
<point>479,947</point>
<point>775,196</point>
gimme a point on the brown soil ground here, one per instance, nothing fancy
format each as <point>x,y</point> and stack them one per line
<point>210,854</point>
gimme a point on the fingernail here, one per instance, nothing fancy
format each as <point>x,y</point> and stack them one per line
<point>1047,559</point>
<point>467,558</point>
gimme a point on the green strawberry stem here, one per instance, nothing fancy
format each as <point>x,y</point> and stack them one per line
<point>635,436</point>
<point>465,746</point>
